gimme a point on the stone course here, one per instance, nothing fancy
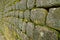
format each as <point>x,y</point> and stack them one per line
<point>29,19</point>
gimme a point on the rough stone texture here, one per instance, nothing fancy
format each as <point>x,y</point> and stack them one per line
<point>27,15</point>
<point>38,15</point>
<point>21,5</point>
<point>29,30</point>
<point>16,5</point>
<point>8,14</point>
<point>5,3</point>
<point>22,26</point>
<point>24,36</point>
<point>53,18</point>
<point>43,33</point>
<point>20,14</point>
<point>7,31</point>
<point>47,3</point>
<point>25,20</point>
<point>30,4</point>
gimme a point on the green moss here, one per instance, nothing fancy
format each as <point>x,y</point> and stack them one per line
<point>59,36</point>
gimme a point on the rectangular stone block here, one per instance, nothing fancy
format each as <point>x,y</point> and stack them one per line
<point>20,14</point>
<point>22,4</point>
<point>27,15</point>
<point>38,15</point>
<point>47,3</point>
<point>53,18</point>
<point>29,30</point>
<point>30,4</point>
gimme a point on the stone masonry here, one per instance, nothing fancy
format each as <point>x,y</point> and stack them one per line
<point>29,19</point>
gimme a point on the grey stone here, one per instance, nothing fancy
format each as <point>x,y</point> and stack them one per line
<point>27,15</point>
<point>8,14</point>
<point>7,31</point>
<point>14,7</point>
<point>11,14</point>
<point>9,5</point>
<point>47,3</point>
<point>11,20</point>
<point>17,6</point>
<point>13,29</point>
<point>29,30</point>
<point>7,9</point>
<point>20,14</point>
<point>30,4</point>
<point>22,5</point>
<point>53,18</point>
<point>22,26</point>
<point>35,34</point>
<point>38,15</point>
<point>16,13</point>
<point>44,33</point>
<point>23,36</point>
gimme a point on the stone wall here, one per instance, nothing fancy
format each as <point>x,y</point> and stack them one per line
<point>29,19</point>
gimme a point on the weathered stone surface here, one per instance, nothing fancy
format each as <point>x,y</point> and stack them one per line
<point>8,33</point>
<point>9,5</point>
<point>47,3</point>
<point>16,14</point>
<point>22,26</point>
<point>38,15</point>
<point>5,3</point>
<point>13,14</point>
<point>8,14</point>
<point>21,5</point>
<point>27,15</point>
<point>20,14</point>
<point>10,21</point>
<point>7,9</point>
<point>43,33</point>
<point>9,30</point>
<point>16,5</point>
<point>29,30</point>
<point>30,4</point>
<point>53,18</point>
<point>24,36</point>
<point>27,19</point>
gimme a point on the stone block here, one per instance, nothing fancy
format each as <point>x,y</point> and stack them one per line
<point>38,15</point>
<point>53,18</point>
<point>47,3</point>
<point>44,33</point>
